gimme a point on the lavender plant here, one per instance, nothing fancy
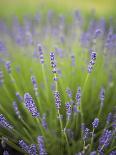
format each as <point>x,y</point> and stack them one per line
<point>60,102</point>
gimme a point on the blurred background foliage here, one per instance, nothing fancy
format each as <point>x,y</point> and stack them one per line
<point>8,8</point>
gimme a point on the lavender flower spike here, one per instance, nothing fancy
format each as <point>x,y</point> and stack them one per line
<point>105,140</point>
<point>42,150</point>
<point>4,123</point>
<point>57,99</point>
<point>34,82</point>
<point>24,146</point>
<point>68,109</point>
<point>32,149</point>
<point>41,56</point>
<point>30,105</point>
<point>95,123</point>
<point>8,66</point>
<point>15,106</point>
<point>5,153</point>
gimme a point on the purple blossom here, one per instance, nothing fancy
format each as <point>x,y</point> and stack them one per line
<point>42,150</point>
<point>30,105</point>
<point>69,93</point>
<point>24,146</point>
<point>20,99</point>
<point>57,99</point>
<point>32,150</point>
<point>44,123</point>
<point>93,55</point>
<point>34,82</point>
<point>15,106</point>
<point>86,134</point>
<point>68,110</point>
<point>105,140</point>
<point>95,123</point>
<point>109,118</point>
<point>1,77</point>
<point>52,61</point>
<point>78,96</point>
<point>113,152</point>
<point>93,153</point>
<point>8,66</point>
<point>5,153</point>
<point>102,94</point>
<point>41,56</point>
<point>4,123</point>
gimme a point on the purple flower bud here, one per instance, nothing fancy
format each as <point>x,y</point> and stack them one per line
<point>15,106</point>
<point>1,77</point>
<point>86,134</point>
<point>105,140</point>
<point>97,33</point>
<point>68,109</point>
<point>4,123</point>
<point>109,118</point>
<point>52,59</point>
<point>30,105</point>
<point>90,67</point>
<point>20,99</point>
<point>73,60</point>
<point>33,79</point>
<point>24,146</point>
<point>41,56</point>
<point>8,66</point>
<point>93,55</point>
<point>42,150</point>
<point>113,152</point>
<point>102,94</point>
<point>57,99</point>
<point>114,121</point>
<point>78,96</point>
<point>69,93</point>
<point>44,123</point>
<point>93,153</point>
<point>5,153</point>
<point>32,150</point>
<point>95,123</point>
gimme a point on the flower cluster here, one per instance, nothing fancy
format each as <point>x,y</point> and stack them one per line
<point>41,56</point>
<point>42,150</point>
<point>57,99</point>
<point>30,105</point>
<point>92,61</point>
<point>4,123</point>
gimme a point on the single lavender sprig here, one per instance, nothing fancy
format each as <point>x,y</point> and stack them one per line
<point>109,118</point>
<point>102,96</point>
<point>92,61</point>
<point>15,106</point>
<point>86,134</point>
<point>42,150</point>
<point>24,146</point>
<point>68,110</point>
<point>34,82</point>
<point>57,99</point>
<point>30,105</point>
<point>105,140</point>
<point>8,66</point>
<point>78,96</point>
<point>41,56</point>
<point>19,97</point>
<point>32,150</point>
<point>69,93</point>
<point>113,152</point>
<point>5,153</point>
<point>52,61</point>
<point>93,153</point>
<point>1,77</point>
<point>44,123</point>
<point>4,123</point>
<point>95,123</point>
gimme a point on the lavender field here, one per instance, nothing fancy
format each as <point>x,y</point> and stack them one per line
<point>57,80</point>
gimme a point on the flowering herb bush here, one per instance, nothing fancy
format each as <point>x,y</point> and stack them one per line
<point>57,92</point>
